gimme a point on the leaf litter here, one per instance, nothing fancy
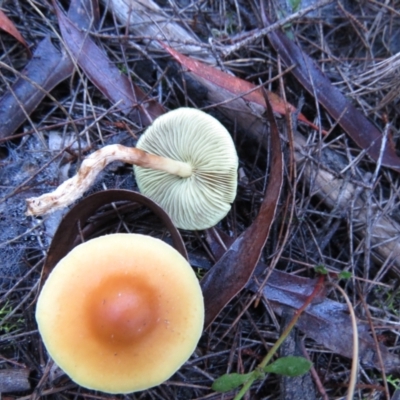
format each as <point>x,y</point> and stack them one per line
<point>8,26</point>
<point>312,221</point>
<point>108,79</point>
<point>233,270</point>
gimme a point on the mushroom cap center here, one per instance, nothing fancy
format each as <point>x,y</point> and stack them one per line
<point>121,310</point>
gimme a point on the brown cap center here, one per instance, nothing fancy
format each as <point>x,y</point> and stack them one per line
<point>122,310</point>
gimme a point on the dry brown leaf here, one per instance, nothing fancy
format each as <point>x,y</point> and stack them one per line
<point>8,26</point>
<point>233,270</point>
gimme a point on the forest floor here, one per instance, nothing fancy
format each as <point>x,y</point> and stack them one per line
<point>323,226</point>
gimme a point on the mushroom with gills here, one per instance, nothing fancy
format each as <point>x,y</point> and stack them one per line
<point>185,161</point>
<point>121,313</point>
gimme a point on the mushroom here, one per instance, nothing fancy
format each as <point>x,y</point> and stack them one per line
<point>185,161</point>
<point>121,313</point>
<point>195,138</point>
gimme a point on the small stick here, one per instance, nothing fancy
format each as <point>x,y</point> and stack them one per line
<point>354,363</point>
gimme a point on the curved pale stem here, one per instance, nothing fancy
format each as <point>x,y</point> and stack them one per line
<point>73,188</point>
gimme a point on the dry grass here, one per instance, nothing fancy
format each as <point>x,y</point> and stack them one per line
<point>356,44</point>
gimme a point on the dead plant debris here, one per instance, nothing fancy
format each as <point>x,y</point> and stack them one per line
<point>100,73</point>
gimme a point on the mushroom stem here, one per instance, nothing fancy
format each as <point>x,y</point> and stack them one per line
<point>73,188</point>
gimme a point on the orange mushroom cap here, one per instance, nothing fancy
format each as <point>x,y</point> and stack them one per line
<point>121,313</point>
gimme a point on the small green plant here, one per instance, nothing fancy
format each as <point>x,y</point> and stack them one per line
<point>122,68</point>
<point>395,382</point>
<point>200,272</point>
<point>344,275</point>
<point>289,366</point>
<point>295,4</point>
<point>321,269</point>
<point>7,327</point>
<point>388,299</point>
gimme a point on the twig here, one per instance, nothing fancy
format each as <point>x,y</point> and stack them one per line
<point>314,373</point>
<point>228,50</point>
<point>354,363</point>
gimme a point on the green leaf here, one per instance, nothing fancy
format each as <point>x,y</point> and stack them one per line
<point>295,4</point>
<point>228,382</point>
<point>344,275</point>
<point>289,366</point>
<point>321,269</point>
